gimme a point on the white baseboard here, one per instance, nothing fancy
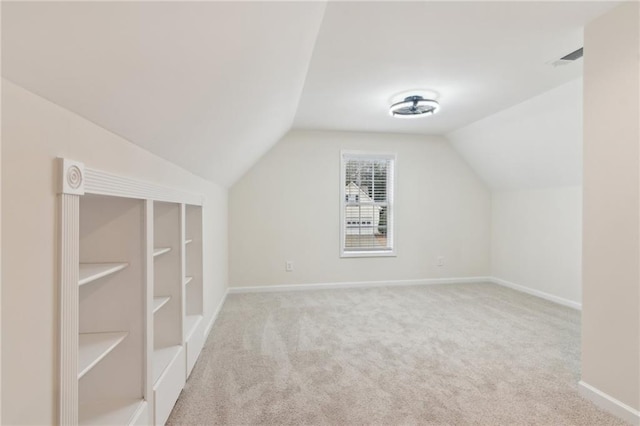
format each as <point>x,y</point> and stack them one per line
<point>425,281</point>
<point>609,403</point>
<point>356,284</point>
<point>215,315</point>
<point>537,293</point>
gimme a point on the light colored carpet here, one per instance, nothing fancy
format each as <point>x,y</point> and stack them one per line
<point>442,354</point>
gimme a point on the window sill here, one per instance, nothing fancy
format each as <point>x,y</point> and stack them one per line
<point>387,253</point>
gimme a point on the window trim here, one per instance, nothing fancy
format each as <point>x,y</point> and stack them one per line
<point>369,155</point>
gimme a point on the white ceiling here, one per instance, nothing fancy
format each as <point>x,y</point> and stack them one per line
<point>212,86</point>
<point>481,57</point>
<point>209,86</point>
<point>535,144</point>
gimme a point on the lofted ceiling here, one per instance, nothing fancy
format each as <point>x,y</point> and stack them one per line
<point>212,86</point>
<point>208,86</point>
<point>481,57</point>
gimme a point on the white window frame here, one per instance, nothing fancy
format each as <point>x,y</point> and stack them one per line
<point>391,191</point>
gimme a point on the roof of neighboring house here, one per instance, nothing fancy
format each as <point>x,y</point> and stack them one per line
<point>363,195</point>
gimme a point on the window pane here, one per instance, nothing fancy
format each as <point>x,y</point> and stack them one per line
<point>365,242</point>
<point>366,179</point>
<point>367,187</point>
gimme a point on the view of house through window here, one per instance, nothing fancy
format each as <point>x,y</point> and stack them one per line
<point>367,196</point>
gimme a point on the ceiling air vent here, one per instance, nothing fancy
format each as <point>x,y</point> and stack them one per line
<point>567,59</point>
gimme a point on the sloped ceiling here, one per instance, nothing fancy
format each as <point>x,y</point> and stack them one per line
<point>535,144</point>
<point>481,57</point>
<point>209,86</point>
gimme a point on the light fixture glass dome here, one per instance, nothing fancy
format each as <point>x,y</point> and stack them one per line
<point>414,106</point>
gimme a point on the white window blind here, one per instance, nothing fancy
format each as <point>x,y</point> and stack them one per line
<point>367,204</point>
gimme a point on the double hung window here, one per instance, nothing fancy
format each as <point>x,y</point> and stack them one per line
<point>366,194</point>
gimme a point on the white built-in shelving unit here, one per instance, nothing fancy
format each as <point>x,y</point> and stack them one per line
<point>168,349</point>
<point>192,283</point>
<point>131,293</point>
<point>111,306</point>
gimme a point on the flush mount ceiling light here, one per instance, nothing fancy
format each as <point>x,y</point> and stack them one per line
<point>414,106</point>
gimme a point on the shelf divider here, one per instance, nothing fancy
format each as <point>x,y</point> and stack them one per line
<point>162,358</point>
<point>92,271</point>
<point>93,347</point>
<point>159,302</point>
<point>190,324</point>
<point>161,250</point>
<point>109,411</point>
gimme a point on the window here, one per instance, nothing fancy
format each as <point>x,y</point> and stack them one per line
<point>366,211</point>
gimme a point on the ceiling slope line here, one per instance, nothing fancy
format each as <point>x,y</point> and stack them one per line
<point>300,91</point>
<point>88,120</point>
<point>311,56</point>
<point>535,144</point>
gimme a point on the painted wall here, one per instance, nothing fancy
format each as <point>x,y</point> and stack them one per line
<point>34,132</point>
<point>530,155</point>
<point>287,208</point>
<point>536,240</point>
<point>611,250</point>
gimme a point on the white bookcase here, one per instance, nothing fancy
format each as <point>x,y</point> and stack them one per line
<point>131,323</point>
<point>111,328</point>
<point>168,348</point>
<point>193,291</point>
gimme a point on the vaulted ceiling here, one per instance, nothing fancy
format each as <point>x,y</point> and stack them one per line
<point>212,86</point>
<point>209,86</point>
<point>480,57</point>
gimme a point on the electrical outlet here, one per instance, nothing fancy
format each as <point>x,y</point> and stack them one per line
<point>288,266</point>
<point>440,261</point>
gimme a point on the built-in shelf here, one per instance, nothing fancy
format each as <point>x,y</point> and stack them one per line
<point>93,347</point>
<point>125,366</point>
<point>162,358</point>
<point>159,302</point>
<point>93,271</point>
<point>109,411</point>
<point>190,324</point>
<point>161,250</point>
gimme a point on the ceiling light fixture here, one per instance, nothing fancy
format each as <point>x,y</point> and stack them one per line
<point>414,106</point>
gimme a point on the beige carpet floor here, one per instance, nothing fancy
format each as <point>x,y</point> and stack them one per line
<point>460,354</point>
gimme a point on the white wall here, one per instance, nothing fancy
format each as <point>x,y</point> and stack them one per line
<point>530,155</point>
<point>611,275</point>
<point>536,240</point>
<point>34,132</point>
<point>287,208</point>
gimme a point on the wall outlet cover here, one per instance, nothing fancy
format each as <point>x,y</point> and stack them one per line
<point>288,266</point>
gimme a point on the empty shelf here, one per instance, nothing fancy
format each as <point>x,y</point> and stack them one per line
<point>189,241</point>
<point>109,411</point>
<point>187,280</point>
<point>162,358</point>
<point>159,302</point>
<point>190,324</point>
<point>92,271</point>
<point>161,250</point>
<point>93,347</point>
